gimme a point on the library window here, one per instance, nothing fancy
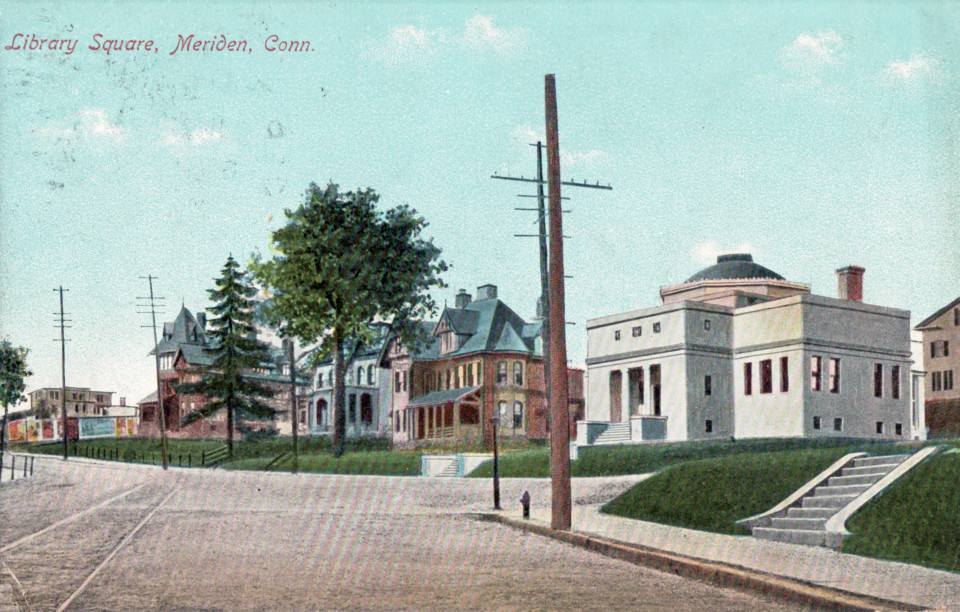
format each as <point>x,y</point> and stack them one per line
<point>748,379</point>
<point>784,375</point>
<point>895,382</point>
<point>709,426</point>
<point>816,362</point>
<point>880,427</point>
<point>707,385</point>
<point>877,380</point>
<point>706,325</point>
<point>656,327</point>
<point>834,375</point>
<point>898,429</point>
<point>838,424</point>
<point>616,335</point>
<point>816,422</point>
<point>636,331</point>
<point>766,376</point>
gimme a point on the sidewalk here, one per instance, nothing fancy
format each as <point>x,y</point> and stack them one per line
<point>887,580</point>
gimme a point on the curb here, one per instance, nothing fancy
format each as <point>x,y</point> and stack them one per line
<point>719,574</point>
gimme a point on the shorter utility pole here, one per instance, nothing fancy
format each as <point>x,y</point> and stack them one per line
<point>161,417</point>
<point>294,413</point>
<point>62,322</point>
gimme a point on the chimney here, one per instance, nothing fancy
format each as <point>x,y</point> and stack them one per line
<point>486,292</point>
<point>462,299</point>
<point>123,401</point>
<point>850,283</point>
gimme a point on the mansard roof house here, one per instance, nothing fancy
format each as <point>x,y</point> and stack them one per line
<point>182,360</point>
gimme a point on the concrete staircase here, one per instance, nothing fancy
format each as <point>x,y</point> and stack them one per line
<point>616,433</point>
<point>450,471</point>
<point>805,520</point>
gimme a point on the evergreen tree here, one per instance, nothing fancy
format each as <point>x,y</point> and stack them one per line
<point>236,351</point>
<point>341,264</point>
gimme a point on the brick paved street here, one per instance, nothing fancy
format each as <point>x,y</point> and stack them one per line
<point>215,540</point>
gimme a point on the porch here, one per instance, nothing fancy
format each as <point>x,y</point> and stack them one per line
<point>450,414</point>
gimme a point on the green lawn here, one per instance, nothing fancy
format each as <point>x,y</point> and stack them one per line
<point>712,494</point>
<point>646,458</point>
<point>916,520</point>
<point>189,452</point>
<point>382,463</point>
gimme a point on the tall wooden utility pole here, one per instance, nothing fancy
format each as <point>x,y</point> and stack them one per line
<point>156,350</point>
<point>559,411</point>
<point>63,372</point>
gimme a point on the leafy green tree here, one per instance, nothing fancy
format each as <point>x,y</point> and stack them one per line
<point>342,264</point>
<point>235,350</point>
<point>13,369</point>
<point>43,409</point>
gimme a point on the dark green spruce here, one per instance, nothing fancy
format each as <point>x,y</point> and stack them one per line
<point>236,353</point>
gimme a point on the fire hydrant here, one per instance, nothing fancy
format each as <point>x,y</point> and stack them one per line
<point>525,500</point>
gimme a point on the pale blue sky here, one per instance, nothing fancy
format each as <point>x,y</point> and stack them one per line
<point>812,135</point>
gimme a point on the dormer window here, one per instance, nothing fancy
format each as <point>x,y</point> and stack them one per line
<point>448,342</point>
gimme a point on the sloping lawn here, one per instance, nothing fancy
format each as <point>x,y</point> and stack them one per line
<point>646,458</point>
<point>916,520</point>
<point>711,494</point>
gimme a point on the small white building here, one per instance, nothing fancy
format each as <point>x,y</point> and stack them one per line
<point>737,351</point>
<point>366,392</point>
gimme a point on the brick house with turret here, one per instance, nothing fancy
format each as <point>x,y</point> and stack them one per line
<point>482,360</point>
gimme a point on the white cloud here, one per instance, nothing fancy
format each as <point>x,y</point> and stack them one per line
<point>407,43</point>
<point>526,135</point>
<point>914,69</point>
<point>413,44</point>
<point>480,33</point>
<point>706,252</point>
<point>575,158</point>
<point>94,122</point>
<point>196,137</point>
<point>810,54</point>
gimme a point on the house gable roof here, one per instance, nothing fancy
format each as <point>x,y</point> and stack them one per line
<point>929,320</point>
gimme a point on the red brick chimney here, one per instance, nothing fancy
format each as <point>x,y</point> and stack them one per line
<point>850,283</point>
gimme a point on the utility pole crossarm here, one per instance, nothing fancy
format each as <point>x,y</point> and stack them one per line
<point>568,183</point>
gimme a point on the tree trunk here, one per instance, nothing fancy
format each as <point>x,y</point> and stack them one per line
<point>3,436</point>
<point>339,392</point>
<point>230,430</point>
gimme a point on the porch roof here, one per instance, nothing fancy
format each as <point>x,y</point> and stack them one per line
<point>441,397</point>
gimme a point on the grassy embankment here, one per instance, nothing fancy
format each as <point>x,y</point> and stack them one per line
<point>364,456</point>
<point>710,494</point>
<point>916,519</point>
<point>644,458</point>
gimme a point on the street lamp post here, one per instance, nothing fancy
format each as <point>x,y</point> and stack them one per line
<point>496,465</point>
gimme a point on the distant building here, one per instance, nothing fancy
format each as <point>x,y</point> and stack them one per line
<point>482,361</point>
<point>940,336</point>
<point>80,401</point>
<point>737,351</point>
<point>183,359</point>
<point>366,391</point>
